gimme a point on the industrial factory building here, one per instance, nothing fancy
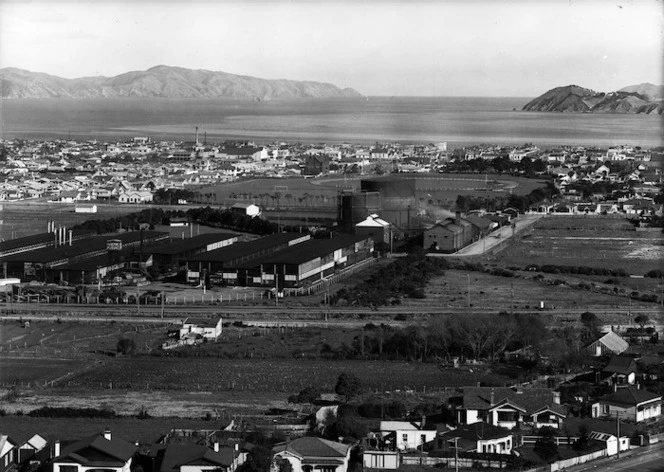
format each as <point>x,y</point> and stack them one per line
<point>301,265</point>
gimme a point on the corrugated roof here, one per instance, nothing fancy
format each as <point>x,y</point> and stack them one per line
<point>478,431</point>
<point>177,246</point>
<point>240,250</point>
<point>176,455</point>
<point>630,396</point>
<point>87,451</point>
<point>621,365</point>
<point>314,447</point>
<point>614,342</point>
<point>531,400</point>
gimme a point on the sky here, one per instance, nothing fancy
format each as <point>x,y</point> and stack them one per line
<point>387,48</point>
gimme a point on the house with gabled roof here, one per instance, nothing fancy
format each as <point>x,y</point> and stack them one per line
<point>177,457</point>
<point>629,403</point>
<point>622,369</point>
<point>509,407</point>
<point>7,453</point>
<point>100,451</point>
<point>478,437</point>
<point>310,453</point>
<point>406,435</point>
<point>30,447</point>
<point>609,344</point>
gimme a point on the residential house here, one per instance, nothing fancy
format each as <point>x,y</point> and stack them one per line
<point>381,459</point>
<point>100,451</point>
<point>629,403</point>
<point>310,453</point>
<point>135,196</point>
<point>609,344</point>
<point>177,457</point>
<point>31,447</point>
<point>316,164</point>
<point>622,370</point>
<point>509,407</point>
<point>478,437</point>
<point>8,453</point>
<point>209,329</point>
<point>406,435</point>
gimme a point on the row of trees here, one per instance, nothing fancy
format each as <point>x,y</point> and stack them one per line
<point>520,202</point>
<point>405,277</point>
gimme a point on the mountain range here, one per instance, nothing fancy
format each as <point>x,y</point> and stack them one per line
<point>642,98</point>
<point>162,82</point>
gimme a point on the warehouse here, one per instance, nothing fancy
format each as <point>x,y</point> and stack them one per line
<point>31,265</point>
<point>214,262</point>
<point>302,265</point>
<point>170,255</point>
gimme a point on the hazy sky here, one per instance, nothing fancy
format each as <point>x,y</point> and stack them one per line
<point>458,48</point>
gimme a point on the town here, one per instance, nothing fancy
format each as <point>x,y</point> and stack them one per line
<point>411,306</point>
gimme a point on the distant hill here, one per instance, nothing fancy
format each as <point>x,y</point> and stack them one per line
<point>653,92</point>
<point>572,98</point>
<point>163,82</point>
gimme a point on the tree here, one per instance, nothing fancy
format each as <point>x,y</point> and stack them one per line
<point>348,385</point>
<point>642,320</point>
<point>546,447</point>
<point>591,325</point>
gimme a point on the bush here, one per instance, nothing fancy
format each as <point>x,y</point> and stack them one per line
<point>125,346</point>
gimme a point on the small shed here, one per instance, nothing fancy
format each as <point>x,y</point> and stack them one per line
<point>608,344</point>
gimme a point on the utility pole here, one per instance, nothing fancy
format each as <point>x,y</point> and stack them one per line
<point>276,287</point>
<point>618,431</point>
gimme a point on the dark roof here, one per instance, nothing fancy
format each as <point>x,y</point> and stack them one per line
<point>40,238</point>
<point>314,447</point>
<point>82,247</point>
<point>531,400</point>
<point>573,425</point>
<point>242,151</point>
<point>477,431</point>
<point>177,246</point>
<point>630,396</point>
<point>98,451</point>
<point>175,455</point>
<point>241,250</point>
<point>621,365</point>
<point>478,221</point>
<point>306,251</point>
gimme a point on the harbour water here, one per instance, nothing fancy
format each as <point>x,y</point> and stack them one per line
<point>458,121</point>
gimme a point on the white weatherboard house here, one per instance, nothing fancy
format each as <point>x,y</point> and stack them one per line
<point>407,435</point>
<point>309,454</point>
<point>630,403</point>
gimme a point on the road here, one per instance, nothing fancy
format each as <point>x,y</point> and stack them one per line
<point>647,459</point>
<point>495,239</point>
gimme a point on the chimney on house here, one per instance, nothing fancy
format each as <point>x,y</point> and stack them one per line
<point>423,423</point>
<point>457,219</point>
<point>556,398</point>
<point>107,434</point>
<point>71,233</point>
<point>56,448</point>
<point>236,447</point>
<point>216,446</point>
<point>492,399</point>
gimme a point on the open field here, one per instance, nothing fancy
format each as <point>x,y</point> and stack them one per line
<point>32,371</point>
<point>608,242</point>
<point>287,376</point>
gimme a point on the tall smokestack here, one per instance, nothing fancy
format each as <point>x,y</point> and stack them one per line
<point>196,135</point>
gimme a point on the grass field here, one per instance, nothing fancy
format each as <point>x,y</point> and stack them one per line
<point>36,371</point>
<point>587,241</point>
<point>272,375</point>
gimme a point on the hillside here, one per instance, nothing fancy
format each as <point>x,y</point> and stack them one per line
<point>575,99</point>
<point>653,92</point>
<point>162,82</point>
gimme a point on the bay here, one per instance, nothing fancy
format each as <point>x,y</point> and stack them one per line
<point>459,121</point>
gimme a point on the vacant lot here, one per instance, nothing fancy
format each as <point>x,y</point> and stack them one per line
<point>604,242</point>
<point>274,375</point>
<point>33,372</point>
